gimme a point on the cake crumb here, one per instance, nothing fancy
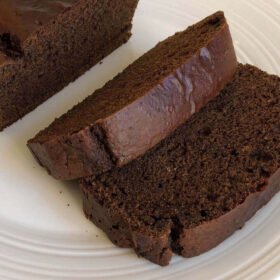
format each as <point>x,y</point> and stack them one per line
<point>60,191</point>
<point>97,235</point>
<point>68,204</point>
<point>101,62</point>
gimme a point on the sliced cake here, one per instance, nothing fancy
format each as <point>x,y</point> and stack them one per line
<point>195,188</point>
<point>46,44</point>
<point>142,105</point>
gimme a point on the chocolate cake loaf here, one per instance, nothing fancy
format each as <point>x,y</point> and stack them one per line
<point>195,188</point>
<point>46,44</point>
<point>142,105</point>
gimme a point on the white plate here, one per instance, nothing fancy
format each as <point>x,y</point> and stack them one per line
<point>43,232</point>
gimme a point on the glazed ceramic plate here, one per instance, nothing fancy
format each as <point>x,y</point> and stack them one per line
<point>43,232</point>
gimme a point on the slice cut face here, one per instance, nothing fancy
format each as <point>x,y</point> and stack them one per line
<point>46,44</point>
<point>195,188</point>
<point>142,105</point>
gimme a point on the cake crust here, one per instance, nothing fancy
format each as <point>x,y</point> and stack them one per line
<point>131,123</point>
<point>203,182</point>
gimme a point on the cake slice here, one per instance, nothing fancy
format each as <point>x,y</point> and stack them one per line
<point>195,188</point>
<point>142,105</point>
<point>46,44</point>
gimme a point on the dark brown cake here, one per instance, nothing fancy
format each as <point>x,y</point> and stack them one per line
<point>142,105</point>
<point>46,44</point>
<point>198,186</point>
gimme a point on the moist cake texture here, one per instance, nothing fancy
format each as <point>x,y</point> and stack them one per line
<point>142,105</point>
<point>46,44</point>
<point>198,186</point>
